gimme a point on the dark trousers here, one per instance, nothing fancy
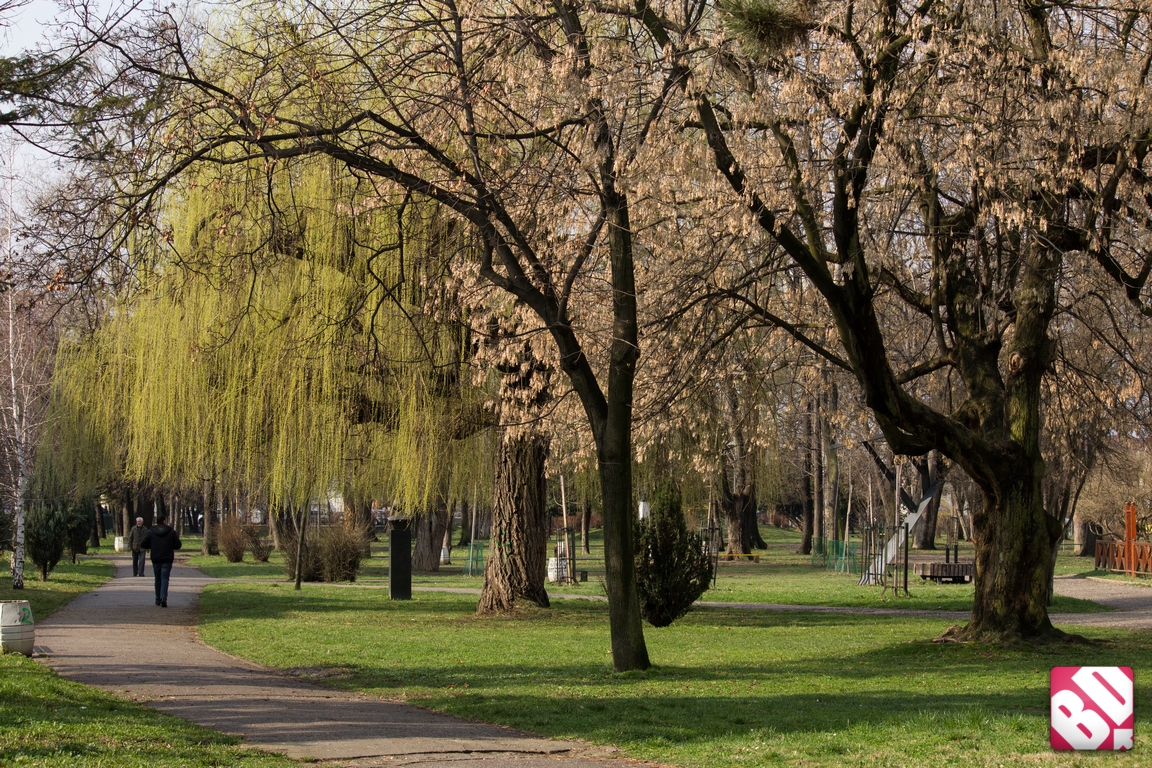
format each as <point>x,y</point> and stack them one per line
<point>163,572</point>
<point>139,562</point>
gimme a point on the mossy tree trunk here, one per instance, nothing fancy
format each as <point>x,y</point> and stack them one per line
<point>519,545</point>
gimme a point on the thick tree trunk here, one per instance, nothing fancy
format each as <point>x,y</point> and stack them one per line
<point>429,538</point>
<point>739,537</point>
<point>519,550</point>
<point>101,529</point>
<point>1084,537</point>
<point>1013,537</point>
<point>931,471</point>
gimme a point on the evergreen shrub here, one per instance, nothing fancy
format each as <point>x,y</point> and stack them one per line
<point>672,567</point>
<point>79,522</point>
<point>45,535</point>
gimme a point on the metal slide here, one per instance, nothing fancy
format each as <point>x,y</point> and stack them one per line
<point>882,561</point>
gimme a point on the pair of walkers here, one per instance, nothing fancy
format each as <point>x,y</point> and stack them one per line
<point>163,541</point>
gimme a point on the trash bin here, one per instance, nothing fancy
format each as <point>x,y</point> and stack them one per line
<point>17,630</point>
<point>120,544</point>
<point>400,559</point>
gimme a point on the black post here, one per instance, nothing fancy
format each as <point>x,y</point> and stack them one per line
<point>956,553</point>
<point>400,559</point>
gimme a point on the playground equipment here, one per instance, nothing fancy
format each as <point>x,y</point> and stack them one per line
<point>881,559</point>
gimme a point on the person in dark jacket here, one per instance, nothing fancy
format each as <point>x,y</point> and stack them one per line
<point>163,541</point>
<point>134,538</point>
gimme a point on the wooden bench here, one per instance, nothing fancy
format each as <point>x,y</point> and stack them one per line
<point>954,573</point>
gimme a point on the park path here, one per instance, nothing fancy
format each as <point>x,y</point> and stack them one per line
<point>117,639</point>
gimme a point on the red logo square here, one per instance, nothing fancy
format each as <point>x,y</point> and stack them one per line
<point>1092,707</point>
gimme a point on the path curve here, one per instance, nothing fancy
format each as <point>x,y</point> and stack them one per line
<point>115,638</point>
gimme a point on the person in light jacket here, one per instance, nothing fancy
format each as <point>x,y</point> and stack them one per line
<point>163,541</point>
<point>135,536</point>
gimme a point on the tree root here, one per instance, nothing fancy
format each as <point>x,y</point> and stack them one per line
<point>1009,638</point>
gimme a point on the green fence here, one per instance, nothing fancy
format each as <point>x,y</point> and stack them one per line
<point>834,555</point>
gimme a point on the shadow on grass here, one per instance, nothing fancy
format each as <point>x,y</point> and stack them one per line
<point>706,719</point>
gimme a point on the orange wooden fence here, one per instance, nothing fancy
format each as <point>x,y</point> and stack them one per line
<point>1132,557</point>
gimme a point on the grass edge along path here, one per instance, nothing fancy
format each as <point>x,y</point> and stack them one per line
<point>731,688</point>
<point>64,584</point>
<point>51,722</point>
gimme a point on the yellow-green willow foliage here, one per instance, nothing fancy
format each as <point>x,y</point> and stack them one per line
<point>294,345</point>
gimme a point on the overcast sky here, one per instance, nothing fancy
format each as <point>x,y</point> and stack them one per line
<point>27,26</point>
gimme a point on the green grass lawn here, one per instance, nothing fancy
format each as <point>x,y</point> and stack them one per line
<point>730,688</point>
<point>55,723</point>
<point>51,722</point>
<point>64,583</point>
<point>792,583</point>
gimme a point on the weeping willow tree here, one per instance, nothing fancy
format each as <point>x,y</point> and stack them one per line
<point>294,344</point>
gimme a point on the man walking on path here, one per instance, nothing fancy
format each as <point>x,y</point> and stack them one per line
<point>135,537</point>
<point>163,540</point>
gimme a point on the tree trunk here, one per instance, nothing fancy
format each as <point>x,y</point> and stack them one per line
<point>18,539</point>
<point>519,549</point>
<point>209,546</point>
<point>429,537</point>
<point>830,469</point>
<point>94,531</point>
<point>466,524</point>
<point>101,529</point>
<point>1013,537</point>
<point>126,513</point>
<point>739,537</point>
<point>1084,537</point>
<point>930,470</point>
<point>806,487</point>
<point>817,473</point>
<point>275,520</point>
<point>585,526</point>
<point>752,525</point>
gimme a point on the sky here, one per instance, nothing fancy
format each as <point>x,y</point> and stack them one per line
<point>26,28</point>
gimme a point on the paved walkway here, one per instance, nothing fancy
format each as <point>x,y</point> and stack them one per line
<point>115,638</point>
